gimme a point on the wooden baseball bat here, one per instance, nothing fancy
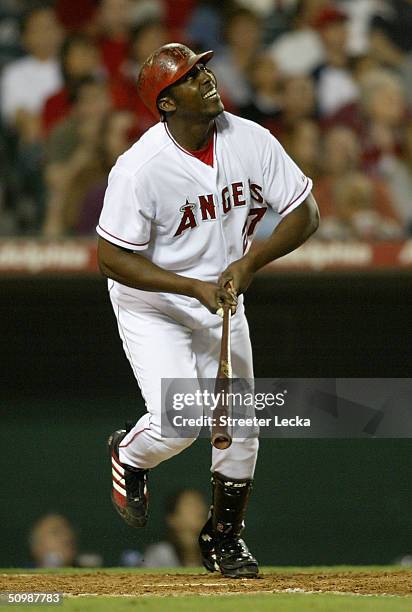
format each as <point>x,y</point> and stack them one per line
<point>221,437</point>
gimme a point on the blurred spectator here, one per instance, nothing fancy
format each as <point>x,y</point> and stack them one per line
<point>276,17</point>
<point>242,35</point>
<point>10,15</point>
<point>87,197</point>
<point>265,102</point>
<point>77,16</point>
<point>341,152</point>
<point>262,7</point>
<point>359,13</point>
<point>298,102</point>
<point>177,15</point>
<point>391,39</point>
<point>70,149</point>
<point>25,85</point>
<point>52,542</point>
<point>90,559</point>
<point>406,75</point>
<point>204,27</point>
<point>185,515</point>
<point>378,118</point>
<point>383,104</point>
<point>403,561</point>
<point>144,39</point>
<point>79,58</point>
<point>131,558</point>
<point>354,214</point>
<point>336,78</point>
<point>303,145</point>
<point>391,31</point>
<point>398,173</point>
<point>334,82</point>
<point>342,158</point>
<point>114,22</point>
<point>361,66</point>
<point>302,142</point>
<point>299,50</point>
<point>27,82</point>
<point>143,10</point>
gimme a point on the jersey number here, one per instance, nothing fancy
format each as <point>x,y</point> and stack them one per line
<point>255,215</point>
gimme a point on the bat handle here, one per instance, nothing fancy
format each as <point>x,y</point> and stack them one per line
<point>221,438</point>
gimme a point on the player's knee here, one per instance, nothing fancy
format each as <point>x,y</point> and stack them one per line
<point>239,460</point>
<point>248,450</point>
<point>179,444</point>
<point>251,445</point>
<point>189,441</point>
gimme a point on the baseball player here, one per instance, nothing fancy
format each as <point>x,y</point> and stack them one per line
<point>180,211</point>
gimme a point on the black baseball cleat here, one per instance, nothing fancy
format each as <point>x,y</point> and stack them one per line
<point>129,486</point>
<point>227,554</point>
<point>207,547</point>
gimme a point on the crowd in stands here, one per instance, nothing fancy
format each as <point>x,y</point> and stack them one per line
<point>53,540</point>
<point>331,80</point>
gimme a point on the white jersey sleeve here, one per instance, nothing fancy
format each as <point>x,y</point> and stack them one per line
<point>285,185</point>
<point>126,216</point>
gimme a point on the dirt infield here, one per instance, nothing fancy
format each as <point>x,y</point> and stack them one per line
<point>123,583</point>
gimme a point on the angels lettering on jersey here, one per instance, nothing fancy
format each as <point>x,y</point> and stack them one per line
<point>192,218</point>
<point>207,208</point>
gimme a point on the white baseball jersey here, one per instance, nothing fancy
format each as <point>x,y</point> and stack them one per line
<point>191,218</point>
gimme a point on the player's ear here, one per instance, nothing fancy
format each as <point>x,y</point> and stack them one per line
<point>166,104</point>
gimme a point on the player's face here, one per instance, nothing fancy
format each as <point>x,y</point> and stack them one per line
<point>196,95</point>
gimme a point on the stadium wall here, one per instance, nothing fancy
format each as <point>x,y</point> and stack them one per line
<point>66,385</point>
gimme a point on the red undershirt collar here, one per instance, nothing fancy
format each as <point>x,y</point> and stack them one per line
<point>205,155</point>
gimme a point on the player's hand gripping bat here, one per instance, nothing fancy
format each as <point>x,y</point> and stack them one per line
<point>221,437</point>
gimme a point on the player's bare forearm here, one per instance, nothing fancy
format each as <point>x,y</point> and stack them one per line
<point>136,271</point>
<point>291,232</point>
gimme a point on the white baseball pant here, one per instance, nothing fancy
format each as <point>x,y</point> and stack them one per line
<point>159,346</point>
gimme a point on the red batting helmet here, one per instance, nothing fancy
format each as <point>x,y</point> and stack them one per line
<point>163,68</point>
